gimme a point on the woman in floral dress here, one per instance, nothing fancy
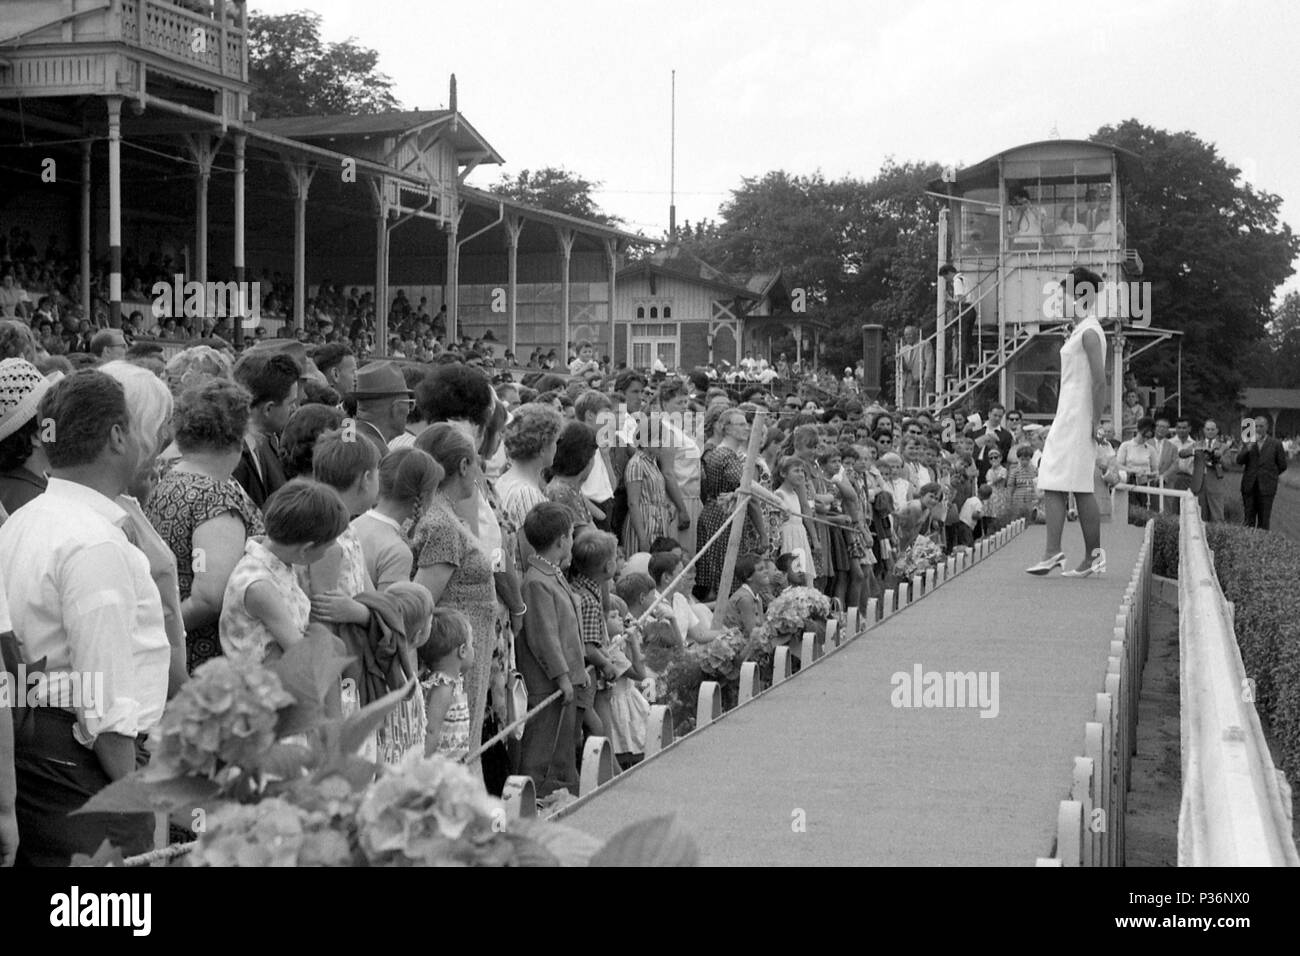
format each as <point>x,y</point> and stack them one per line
<point>723,470</point>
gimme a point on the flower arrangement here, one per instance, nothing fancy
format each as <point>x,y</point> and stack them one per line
<point>923,555</point>
<point>721,657</point>
<point>791,613</point>
<point>271,778</point>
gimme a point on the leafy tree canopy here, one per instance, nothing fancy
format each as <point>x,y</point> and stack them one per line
<point>556,190</point>
<point>295,73</point>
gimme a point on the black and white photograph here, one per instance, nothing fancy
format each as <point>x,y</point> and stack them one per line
<point>576,434</point>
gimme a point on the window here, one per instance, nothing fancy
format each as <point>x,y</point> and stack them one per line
<point>640,311</point>
<point>654,340</point>
<point>668,312</point>
<point>654,311</point>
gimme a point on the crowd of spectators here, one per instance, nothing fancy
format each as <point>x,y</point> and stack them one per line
<point>508,534</point>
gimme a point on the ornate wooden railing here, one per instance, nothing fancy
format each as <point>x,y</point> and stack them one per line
<point>181,34</point>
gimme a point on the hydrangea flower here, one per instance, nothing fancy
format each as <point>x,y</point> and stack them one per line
<point>225,715</point>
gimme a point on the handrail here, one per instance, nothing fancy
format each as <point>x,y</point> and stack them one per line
<point>1235,809</point>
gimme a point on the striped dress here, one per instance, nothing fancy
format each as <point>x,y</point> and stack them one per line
<point>653,506</point>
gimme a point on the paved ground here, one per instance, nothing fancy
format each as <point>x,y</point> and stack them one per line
<point>824,770</point>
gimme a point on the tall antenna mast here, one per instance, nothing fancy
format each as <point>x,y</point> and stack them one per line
<point>672,168</point>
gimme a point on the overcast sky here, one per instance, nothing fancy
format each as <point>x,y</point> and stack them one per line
<point>834,85</point>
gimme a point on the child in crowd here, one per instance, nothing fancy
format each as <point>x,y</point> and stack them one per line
<point>883,532</point>
<point>995,510</point>
<point>405,727</point>
<point>590,571</point>
<point>550,657</point>
<point>694,620</point>
<point>972,510</point>
<point>444,658</point>
<point>796,536</point>
<point>624,709</point>
<point>1022,482</point>
<point>265,611</point>
<point>789,571</point>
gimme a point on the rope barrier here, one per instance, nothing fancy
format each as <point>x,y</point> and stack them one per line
<point>168,852</point>
<point>509,728</point>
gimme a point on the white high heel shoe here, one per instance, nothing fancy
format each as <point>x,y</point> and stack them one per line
<point>1045,566</point>
<point>1097,567</point>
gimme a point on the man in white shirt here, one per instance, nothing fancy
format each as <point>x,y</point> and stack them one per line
<point>1180,475</point>
<point>82,600</point>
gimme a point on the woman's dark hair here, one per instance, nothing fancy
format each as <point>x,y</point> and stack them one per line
<point>746,565</point>
<point>305,512</point>
<point>663,563</point>
<point>211,416</point>
<point>456,393</point>
<point>298,440</point>
<point>670,389</point>
<point>664,543</point>
<point>1146,424</point>
<point>574,450</point>
<point>492,429</point>
<point>314,393</point>
<point>268,378</point>
<point>15,449</point>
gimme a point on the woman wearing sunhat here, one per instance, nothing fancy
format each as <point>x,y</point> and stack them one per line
<point>22,459</point>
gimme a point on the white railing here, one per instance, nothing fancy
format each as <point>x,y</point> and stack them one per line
<point>1090,825</point>
<point>1236,806</point>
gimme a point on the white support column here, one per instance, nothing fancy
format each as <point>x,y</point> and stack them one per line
<point>611,260</point>
<point>85,230</point>
<point>255,307</point>
<point>204,151</point>
<point>566,255</point>
<point>300,177</point>
<point>114,104</point>
<point>941,313</point>
<point>451,286</point>
<point>514,226</point>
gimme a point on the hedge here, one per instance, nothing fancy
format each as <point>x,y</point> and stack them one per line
<point>1259,572</point>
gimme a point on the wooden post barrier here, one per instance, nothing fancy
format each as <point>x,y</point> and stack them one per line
<point>520,797</point>
<point>1082,793</point>
<point>1069,832</point>
<point>833,632</point>
<point>887,608</point>
<point>709,705</point>
<point>851,624</point>
<point>780,664</point>
<point>811,650</point>
<point>597,764</point>
<point>757,434</point>
<point>748,681</point>
<point>916,591</point>
<point>952,566</point>
<point>1094,748</point>
<point>659,729</point>
<point>930,578</point>
<point>902,596</point>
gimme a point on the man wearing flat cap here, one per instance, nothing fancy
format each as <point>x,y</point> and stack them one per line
<point>383,403</point>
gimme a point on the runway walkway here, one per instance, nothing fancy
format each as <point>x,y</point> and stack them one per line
<point>824,769</point>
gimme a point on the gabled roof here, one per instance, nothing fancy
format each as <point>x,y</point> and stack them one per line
<point>763,282</point>
<point>674,262</point>
<point>347,126</point>
<point>482,197</point>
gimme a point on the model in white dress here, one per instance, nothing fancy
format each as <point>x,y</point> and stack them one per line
<point>1069,461</point>
<point>1070,452</point>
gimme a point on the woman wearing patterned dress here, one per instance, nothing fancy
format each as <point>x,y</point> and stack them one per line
<point>452,565</point>
<point>723,470</point>
<point>201,512</point>
<point>647,503</point>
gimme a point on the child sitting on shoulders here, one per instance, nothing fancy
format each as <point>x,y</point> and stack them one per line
<point>444,658</point>
<point>265,611</point>
<point>623,708</point>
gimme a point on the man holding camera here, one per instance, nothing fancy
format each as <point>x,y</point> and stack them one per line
<point>1263,459</point>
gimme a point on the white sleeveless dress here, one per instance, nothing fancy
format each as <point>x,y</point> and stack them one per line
<point>1070,453</point>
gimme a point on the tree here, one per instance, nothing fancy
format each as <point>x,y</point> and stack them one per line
<point>862,251</point>
<point>556,190</point>
<point>295,73</point>
<point>1215,252</point>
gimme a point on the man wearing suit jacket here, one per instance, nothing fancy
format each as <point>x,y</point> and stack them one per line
<point>991,436</point>
<point>383,403</point>
<point>1264,459</point>
<point>272,380</point>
